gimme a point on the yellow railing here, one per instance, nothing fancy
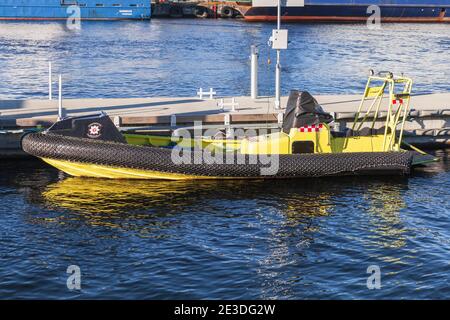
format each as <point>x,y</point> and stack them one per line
<point>397,106</point>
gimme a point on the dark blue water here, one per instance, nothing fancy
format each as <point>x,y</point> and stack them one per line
<point>254,239</point>
<point>176,57</point>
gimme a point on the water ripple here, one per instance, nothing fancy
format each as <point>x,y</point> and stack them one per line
<point>167,58</point>
<point>311,238</point>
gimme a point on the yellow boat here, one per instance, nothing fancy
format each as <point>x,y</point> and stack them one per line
<point>307,145</point>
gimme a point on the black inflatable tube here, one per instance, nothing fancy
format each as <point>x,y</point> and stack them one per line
<point>59,147</point>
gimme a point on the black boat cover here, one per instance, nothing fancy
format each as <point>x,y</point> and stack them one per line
<point>303,110</point>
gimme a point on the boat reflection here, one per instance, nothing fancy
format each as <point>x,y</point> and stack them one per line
<point>298,200</point>
<point>107,196</point>
<point>286,218</point>
<point>104,197</point>
<point>385,205</point>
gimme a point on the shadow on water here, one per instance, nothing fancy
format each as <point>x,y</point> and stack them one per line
<point>435,168</point>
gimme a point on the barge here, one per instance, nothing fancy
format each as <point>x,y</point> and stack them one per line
<point>415,11</point>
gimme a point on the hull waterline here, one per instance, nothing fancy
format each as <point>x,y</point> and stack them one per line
<point>397,11</point>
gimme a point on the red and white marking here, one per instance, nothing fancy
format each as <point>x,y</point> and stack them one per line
<point>400,101</point>
<point>312,128</point>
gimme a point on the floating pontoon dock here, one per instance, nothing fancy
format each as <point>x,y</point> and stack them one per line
<point>428,124</point>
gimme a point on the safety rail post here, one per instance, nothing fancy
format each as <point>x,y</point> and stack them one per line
<point>211,93</point>
<point>407,90</point>
<point>50,80</point>
<point>388,123</point>
<point>233,104</point>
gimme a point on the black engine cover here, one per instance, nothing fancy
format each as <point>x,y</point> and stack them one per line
<point>97,127</point>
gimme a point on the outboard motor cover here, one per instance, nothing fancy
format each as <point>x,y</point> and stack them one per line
<point>98,126</point>
<point>303,110</point>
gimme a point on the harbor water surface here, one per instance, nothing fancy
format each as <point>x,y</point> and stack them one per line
<point>278,239</point>
<point>176,57</point>
<point>283,239</point>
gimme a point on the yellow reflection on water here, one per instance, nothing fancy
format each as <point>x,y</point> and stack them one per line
<point>386,202</point>
<point>123,204</point>
<point>111,203</point>
<point>110,196</point>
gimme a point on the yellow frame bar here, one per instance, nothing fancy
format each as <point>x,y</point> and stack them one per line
<point>393,118</point>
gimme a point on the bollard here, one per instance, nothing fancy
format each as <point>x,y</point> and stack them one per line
<point>254,72</point>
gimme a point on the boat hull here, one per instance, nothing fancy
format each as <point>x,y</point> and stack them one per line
<point>349,13</point>
<point>104,159</point>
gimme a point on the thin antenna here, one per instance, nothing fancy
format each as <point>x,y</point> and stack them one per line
<point>60,106</point>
